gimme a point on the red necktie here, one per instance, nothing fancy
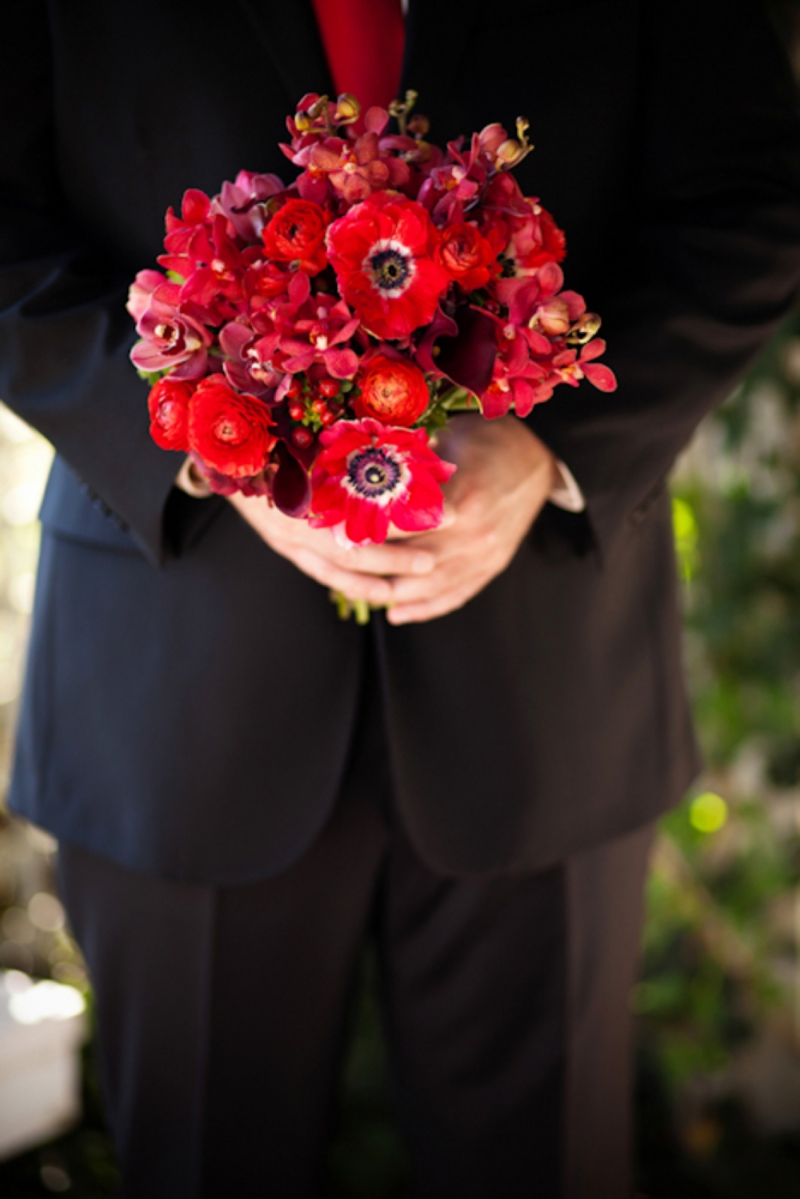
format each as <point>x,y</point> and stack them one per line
<point>364,41</point>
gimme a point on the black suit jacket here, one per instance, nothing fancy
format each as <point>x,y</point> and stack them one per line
<point>191,695</point>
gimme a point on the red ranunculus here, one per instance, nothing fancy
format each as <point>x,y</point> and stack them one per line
<point>369,476</point>
<point>168,403</point>
<point>296,233</point>
<point>230,432</point>
<point>393,391</point>
<point>467,256</point>
<point>383,253</point>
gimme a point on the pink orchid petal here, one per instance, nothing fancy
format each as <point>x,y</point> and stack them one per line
<point>524,397</point>
<point>593,349</point>
<point>496,403</point>
<point>342,364</point>
<point>600,376</point>
<point>375,120</point>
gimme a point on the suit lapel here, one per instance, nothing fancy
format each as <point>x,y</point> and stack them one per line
<point>288,33</point>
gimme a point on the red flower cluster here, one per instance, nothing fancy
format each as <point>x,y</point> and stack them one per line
<point>231,432</point>
<point>302,339</point>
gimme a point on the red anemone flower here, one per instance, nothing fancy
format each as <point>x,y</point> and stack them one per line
<point>383,254</point>
<point>369,476</point>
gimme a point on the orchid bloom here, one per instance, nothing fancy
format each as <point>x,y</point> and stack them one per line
<point>171,340</point>
<point>318,334</point>
<point>244,203</point>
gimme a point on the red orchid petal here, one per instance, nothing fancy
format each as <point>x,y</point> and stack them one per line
<point>550,278</point>
<point>495,403</point>
<point>233,338</point>
<point>576,305</point>
<point>300,361</point>
<point>537,341</point>
<point>593,349</point>
<point>376,119</point>
<point>601,376</point>
<point>346,332</point>
<point>366,148</point>
<point>299,288</point>
<point>342,364</point>
<point>195,206</point>
<point>520,295</point>
<point>524,397</point>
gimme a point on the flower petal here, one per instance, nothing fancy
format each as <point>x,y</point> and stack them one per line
<point>601,376</point>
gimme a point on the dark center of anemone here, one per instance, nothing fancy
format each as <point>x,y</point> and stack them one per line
<point>390,269</point>
<point>372,473</point>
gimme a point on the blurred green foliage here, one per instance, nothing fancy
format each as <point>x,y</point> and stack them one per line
<point>718,1004</point>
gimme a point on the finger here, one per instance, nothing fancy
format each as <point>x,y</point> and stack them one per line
<point>387,559</point>
<point>450,515</point>
<point>450,601</point>
<point>450,576</point>
<point>350,583</point>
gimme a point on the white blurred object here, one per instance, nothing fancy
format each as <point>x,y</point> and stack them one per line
<point>42,1025</point>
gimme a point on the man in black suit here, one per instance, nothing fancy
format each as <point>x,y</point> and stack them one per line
<point>244,786</point>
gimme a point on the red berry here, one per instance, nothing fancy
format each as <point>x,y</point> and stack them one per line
<point>327,417</point>
<point>302,438</point>
<point>319,406</point>
<point>296,411</point>
<point>329,388</point>
<point>293,390</point>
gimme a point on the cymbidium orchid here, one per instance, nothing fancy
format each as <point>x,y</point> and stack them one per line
<point>245,203</point>
<point>171,340</point>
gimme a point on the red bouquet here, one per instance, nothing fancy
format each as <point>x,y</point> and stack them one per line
<point>306,342</point>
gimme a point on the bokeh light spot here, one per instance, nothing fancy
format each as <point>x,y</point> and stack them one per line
<point>708,812</point>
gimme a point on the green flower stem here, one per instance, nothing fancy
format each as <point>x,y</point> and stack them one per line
<point>359,609</point>
<point>457,399</point>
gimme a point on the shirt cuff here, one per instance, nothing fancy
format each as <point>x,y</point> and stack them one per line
<point>190,480</point>
<point>566,493</point>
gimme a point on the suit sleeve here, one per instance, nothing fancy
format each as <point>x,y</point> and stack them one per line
<point>713,261</point>
<point>64,332</point>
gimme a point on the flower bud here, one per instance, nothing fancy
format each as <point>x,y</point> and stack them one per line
<point>348,109</point>
<point>318,108</point>
<point>508,153</point>
<point>552,318</point>
<point>583,329</point>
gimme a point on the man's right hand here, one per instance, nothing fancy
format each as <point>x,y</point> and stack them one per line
<point>360,572</point>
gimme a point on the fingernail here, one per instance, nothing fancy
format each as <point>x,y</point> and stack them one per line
<point>422,564</point>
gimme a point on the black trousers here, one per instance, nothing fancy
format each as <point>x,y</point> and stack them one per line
<point>222,1011</point>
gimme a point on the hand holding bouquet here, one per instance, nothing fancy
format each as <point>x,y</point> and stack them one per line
<point>305,343</point>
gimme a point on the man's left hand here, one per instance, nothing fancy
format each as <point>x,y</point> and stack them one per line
<point>505,474</point>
